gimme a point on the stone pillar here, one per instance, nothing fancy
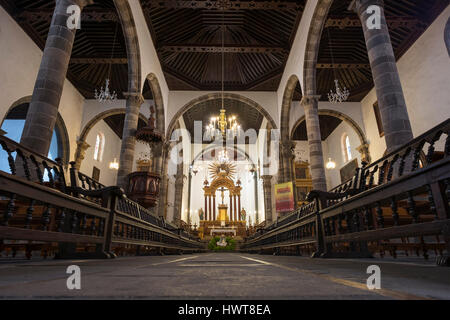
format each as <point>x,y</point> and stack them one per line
<point>162,203</point>
<point>394,115</point>
<point>267,186</point>
<point>178,192</point>
<point>43,111</point>
<point>286,172</point>
<point>286,156</point>
<point>133,104</point>
<point>310,105</point>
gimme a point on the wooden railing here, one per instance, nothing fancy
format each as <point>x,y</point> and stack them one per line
<point>399,203</point>
<point>40,211</point>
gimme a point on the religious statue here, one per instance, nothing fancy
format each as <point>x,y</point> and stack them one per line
<point>243,214</point>
<point>201,214</point>
<point>222,242</point>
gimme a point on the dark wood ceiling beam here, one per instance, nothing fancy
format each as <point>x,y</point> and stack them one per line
<point>392,22</point>
<point>226,49</point>
<point>45,15</point>
<point>227,5</point>
<point>99,60</point>
<point>343,66</point>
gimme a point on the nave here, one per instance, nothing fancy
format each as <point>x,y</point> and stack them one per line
<point>224,276</point>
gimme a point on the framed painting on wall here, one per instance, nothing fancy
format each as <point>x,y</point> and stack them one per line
<point>348,171</point>
<point>96,174</point>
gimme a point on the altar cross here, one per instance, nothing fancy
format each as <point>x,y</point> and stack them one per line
<point>222,190</point>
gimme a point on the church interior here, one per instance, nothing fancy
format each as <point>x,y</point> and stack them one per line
<point>309,129</point>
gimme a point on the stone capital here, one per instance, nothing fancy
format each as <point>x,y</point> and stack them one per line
<point>287,148</point>
<point>136,98</point>
<point>267,179</point>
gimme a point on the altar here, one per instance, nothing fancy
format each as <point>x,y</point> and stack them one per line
<point>221,219</point>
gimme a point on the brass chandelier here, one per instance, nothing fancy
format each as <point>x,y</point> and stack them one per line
<point>222,123</point>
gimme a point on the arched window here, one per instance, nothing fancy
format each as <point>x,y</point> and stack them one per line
<point>346,148</point>
<point>99,147</point>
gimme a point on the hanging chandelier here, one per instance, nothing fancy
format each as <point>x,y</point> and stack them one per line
<point>222,123</point>
<point>340,95</point>
<point>105,94</point>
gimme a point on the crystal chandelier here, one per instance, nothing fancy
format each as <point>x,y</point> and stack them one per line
<point>222,157</point>
<point>105,95</point>
<point>222,123</point>
<point>340,95</point>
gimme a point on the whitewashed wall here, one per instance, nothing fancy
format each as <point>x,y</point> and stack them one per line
<point>19,65</point>
<point>108,176</point>
<point>425,75</point>
<point>334,150</point>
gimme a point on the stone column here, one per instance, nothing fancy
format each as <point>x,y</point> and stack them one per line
<point>286,172</point>
<point>267,186</point>
<point>394,115</point>
<point>133,104</point>
<point>162,203</point>
<point>310,105</point>
<point>43,111</point>
<point>178,192</point>
<point>286,155</point>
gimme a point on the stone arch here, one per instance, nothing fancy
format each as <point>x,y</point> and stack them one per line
<point>214,96</point>
<point>159,102</point>
<point>81,143</point>
<point>60,127</point>
<point>312,46</point>
<point>132,44</point>
<point>207,149</point>
<point>286,106</point>
<point>363,148</point>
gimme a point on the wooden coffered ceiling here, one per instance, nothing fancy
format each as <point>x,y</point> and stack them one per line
<point>258,38</point>
<point>343,42</point>
<point>327,125</point>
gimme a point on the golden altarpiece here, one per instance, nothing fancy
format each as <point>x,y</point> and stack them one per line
<point>217,218</point>
<point>303,181</point>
